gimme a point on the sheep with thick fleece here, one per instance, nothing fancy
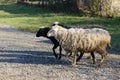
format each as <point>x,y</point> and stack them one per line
<point>81,40</point>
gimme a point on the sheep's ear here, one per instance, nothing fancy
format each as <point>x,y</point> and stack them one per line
<point>42,27</point>
<point>56,22</point>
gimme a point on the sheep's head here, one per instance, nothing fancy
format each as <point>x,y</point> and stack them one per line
<point>53,30</point>
<point>42,31</point>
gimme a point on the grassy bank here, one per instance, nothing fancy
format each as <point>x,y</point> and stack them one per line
<point>30,18</point>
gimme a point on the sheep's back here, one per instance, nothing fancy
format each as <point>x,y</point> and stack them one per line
<point>75,39</point>
<point>89,39</point>
<point>93,39</point>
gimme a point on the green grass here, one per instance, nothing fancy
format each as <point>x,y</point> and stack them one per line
<point>30,18</point>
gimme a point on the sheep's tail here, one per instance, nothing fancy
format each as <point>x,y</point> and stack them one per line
<point>109,45</point>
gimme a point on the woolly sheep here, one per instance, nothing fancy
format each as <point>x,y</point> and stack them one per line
<point>82,40</point>
<point>84,27</point>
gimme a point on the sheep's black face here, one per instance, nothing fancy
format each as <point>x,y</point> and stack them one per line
<point>42,32</point>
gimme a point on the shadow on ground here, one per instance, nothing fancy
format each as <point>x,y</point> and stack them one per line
<point>45,41</point>
<point>30,57</point>
<point>47,58</point>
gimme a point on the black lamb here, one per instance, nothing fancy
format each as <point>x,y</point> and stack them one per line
<point>43,32</point>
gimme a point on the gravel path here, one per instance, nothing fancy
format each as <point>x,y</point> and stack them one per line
<point>25,57</point>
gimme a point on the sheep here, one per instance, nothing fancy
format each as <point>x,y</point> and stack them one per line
<point>81,40</point>
<point>84,27</point>
<point>43,32</point>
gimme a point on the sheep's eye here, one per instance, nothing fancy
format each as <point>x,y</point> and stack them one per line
<point>53,24</point>
<point>60,24</point>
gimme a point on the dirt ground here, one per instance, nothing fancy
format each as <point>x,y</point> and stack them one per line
<point>25,57</point>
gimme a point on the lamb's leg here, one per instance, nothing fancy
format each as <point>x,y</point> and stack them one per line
<point>54,47</point>
<point>81,54</point>
<point>60,50</point>
<point>93,57</point>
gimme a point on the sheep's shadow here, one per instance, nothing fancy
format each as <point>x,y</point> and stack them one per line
<point>45,41</point>
<point>30,57</point>
<point>47,58</point>
<point>108,63</point>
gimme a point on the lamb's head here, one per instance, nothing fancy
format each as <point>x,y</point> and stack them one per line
<point>42,31</point>
<point>55,28</point>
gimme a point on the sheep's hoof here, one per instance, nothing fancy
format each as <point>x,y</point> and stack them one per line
<point>74,65</point>
<point>94,61</point>
<point>89,57</point>
<point>56,57</point>
<point>99,65</point>
<point>59,58</point>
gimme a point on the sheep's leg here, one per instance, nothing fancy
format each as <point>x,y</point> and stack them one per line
<point>103,54</point>
<point>54,47</point>
<point>101,62</point>
<point>60,50</point>
<point>81,54</point>
<point>93,57</point>
<point>68,57</point>
<point>74,60</point>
